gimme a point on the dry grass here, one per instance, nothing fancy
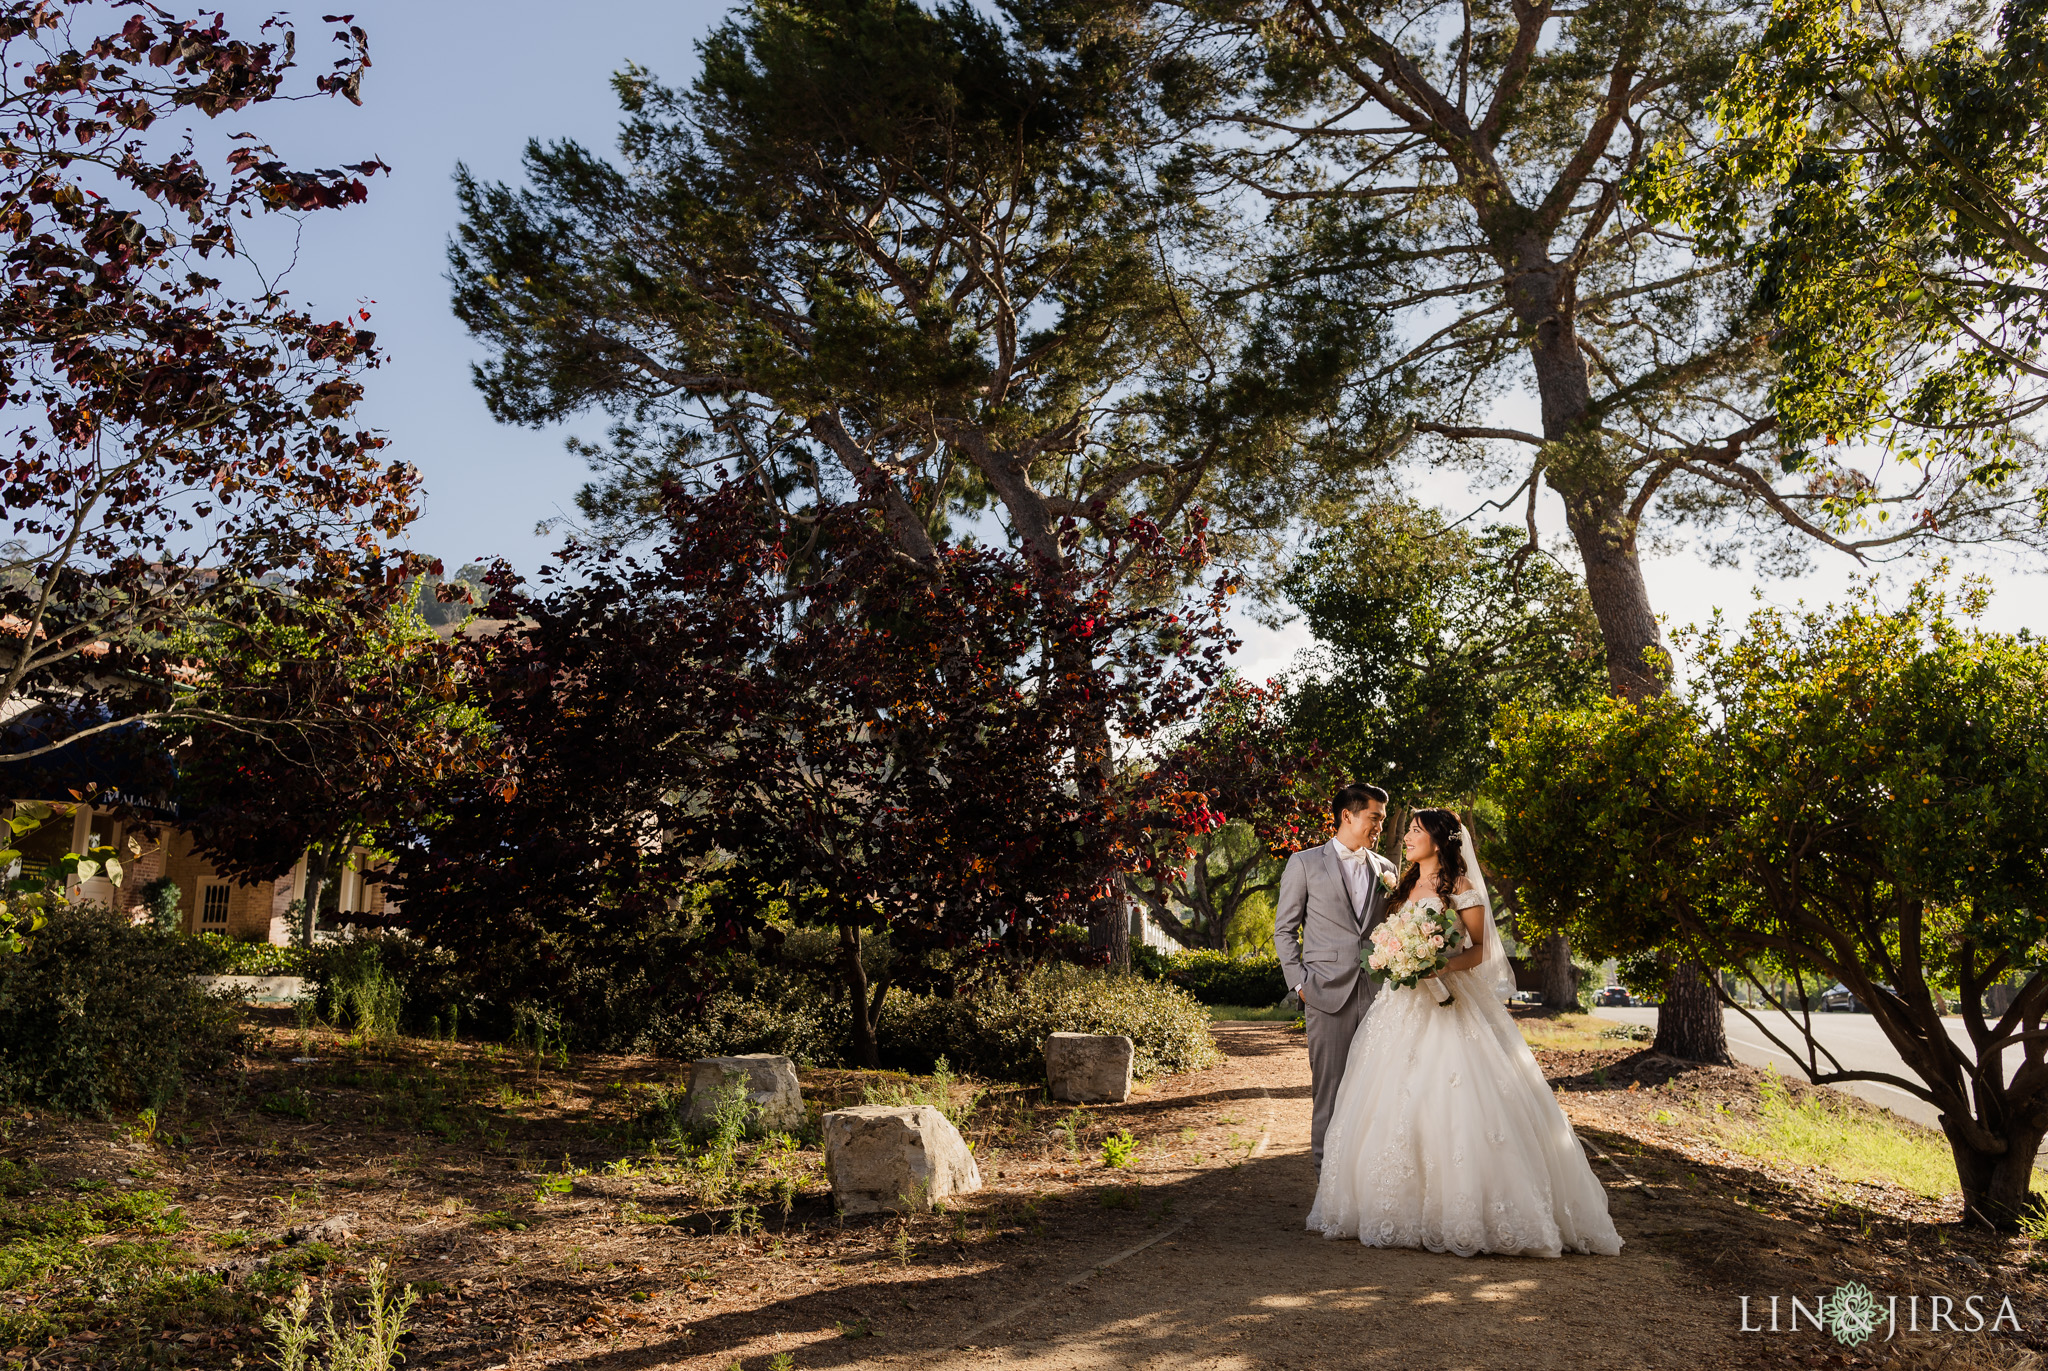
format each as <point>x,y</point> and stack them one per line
<point>1573,1032</point>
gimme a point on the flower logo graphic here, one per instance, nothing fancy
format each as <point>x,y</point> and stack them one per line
<point>1852,1313</point>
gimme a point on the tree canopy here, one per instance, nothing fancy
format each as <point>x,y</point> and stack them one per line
<point>1423,633</point>
<point>1878,174</point>
<point>1853,794</point>
<point>795,715</point>
<point>173,424</point>
<point>905,257</point>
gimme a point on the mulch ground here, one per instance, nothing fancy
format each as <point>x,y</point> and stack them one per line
<point>523,1199</point>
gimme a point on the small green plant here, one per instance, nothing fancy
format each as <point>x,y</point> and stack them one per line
<point>732,1116</point>
<point>1600,1077</point>
<point>901,1246</point>
<point>144,1130</point>
<point>782,1361</point>
<point>294,1103</point>
<point>369,1345</point>
<point>1118,1149</point>
<point>1070,1126</point>
<point>859,1328</point>
<point>745,1220</point>
<point>1117,1197</point>
<point>783,1191</point>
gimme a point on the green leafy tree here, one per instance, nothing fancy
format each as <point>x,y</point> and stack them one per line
<point>29,894</point>
<point>353,720</point>
<point>1471,162</point>
<point>1423,634</point>
<point>1264,795</point>
<point>1883,194</point>
<point>1855,795</point>
<point>915,258</point>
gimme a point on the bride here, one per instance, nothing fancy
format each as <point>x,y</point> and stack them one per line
<point>1445,1134</point>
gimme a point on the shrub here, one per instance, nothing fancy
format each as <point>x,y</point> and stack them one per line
<point>380,982</point>
<point>98,1014</point>
<point>160,899</point>
<point>216,954</point>
<point>999,1030</point>
<point>1219,978</point>
<point>775,1011</point>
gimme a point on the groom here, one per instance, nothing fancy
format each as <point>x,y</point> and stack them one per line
<point>1330,897</point>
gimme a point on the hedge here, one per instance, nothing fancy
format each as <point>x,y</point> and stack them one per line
<point>1216,977</point>
<point>999,1031</point>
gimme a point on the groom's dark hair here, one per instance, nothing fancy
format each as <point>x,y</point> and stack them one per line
<point>1356,795</point>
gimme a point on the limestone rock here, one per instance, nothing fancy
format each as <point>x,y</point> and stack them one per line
<point>771,1087</point>
<point>1089,1068</point>
<point>258,989</point>
<point>890,1159</point>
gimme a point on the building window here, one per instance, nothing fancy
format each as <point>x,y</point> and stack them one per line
<point>215,908</point>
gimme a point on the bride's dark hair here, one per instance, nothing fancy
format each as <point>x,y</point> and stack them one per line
<point>1442,826</point>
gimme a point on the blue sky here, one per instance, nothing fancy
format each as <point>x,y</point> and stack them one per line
<point>459,81</point>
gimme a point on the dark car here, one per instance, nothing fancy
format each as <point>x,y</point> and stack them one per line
<point>1612,996</point>
<point>1839,997</point>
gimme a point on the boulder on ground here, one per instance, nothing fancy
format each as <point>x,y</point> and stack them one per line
<point>891,1159</point>
<point>771,1088</point>
<point>1089,1068</point>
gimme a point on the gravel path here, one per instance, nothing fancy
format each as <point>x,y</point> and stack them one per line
<point>1235,1281</point>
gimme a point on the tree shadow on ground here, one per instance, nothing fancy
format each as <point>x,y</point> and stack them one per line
<point>1231,1278</point>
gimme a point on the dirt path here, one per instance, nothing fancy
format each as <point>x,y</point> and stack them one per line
<point>1235,1281</point>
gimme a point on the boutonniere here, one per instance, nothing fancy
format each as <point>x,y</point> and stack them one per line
<point>1388,880</point>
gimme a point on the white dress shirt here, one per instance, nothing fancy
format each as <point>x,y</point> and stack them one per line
<point>1356,874</point>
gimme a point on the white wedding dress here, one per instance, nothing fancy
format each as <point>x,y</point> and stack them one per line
<point>1446,1136</point>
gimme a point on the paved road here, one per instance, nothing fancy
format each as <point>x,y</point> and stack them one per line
<point>1855,1039</point>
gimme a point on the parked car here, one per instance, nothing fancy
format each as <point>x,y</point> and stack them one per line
<point>1838,997</point>
<point>1612,996</point>
<point>1527,997</point>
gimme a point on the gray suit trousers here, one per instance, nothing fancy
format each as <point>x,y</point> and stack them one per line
<point>1329,1046</point>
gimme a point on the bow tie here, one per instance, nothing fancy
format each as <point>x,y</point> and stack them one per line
<point>1357,856</point>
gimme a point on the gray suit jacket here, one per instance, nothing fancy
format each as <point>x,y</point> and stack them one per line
<point>1317,933</point>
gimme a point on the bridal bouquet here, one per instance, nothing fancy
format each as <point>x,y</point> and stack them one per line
<point>1415,942</point>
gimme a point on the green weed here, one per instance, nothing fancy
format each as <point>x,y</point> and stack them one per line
<point>370,1344</point>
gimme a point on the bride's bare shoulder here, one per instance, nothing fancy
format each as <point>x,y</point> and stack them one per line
<point>1464,884</point>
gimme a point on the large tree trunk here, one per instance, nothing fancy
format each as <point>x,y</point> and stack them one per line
<point>1596,506</point>
<point>1110,927</point>
<point>1996,1185</point>
<point>1690,1021</point>
<point>1606,540</point>
<point>1554,964</point>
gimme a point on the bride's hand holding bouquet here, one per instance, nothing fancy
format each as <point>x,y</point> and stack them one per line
<point>1413,944</point>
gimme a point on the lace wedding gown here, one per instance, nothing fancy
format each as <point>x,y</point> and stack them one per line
<point>1446,1136</point>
